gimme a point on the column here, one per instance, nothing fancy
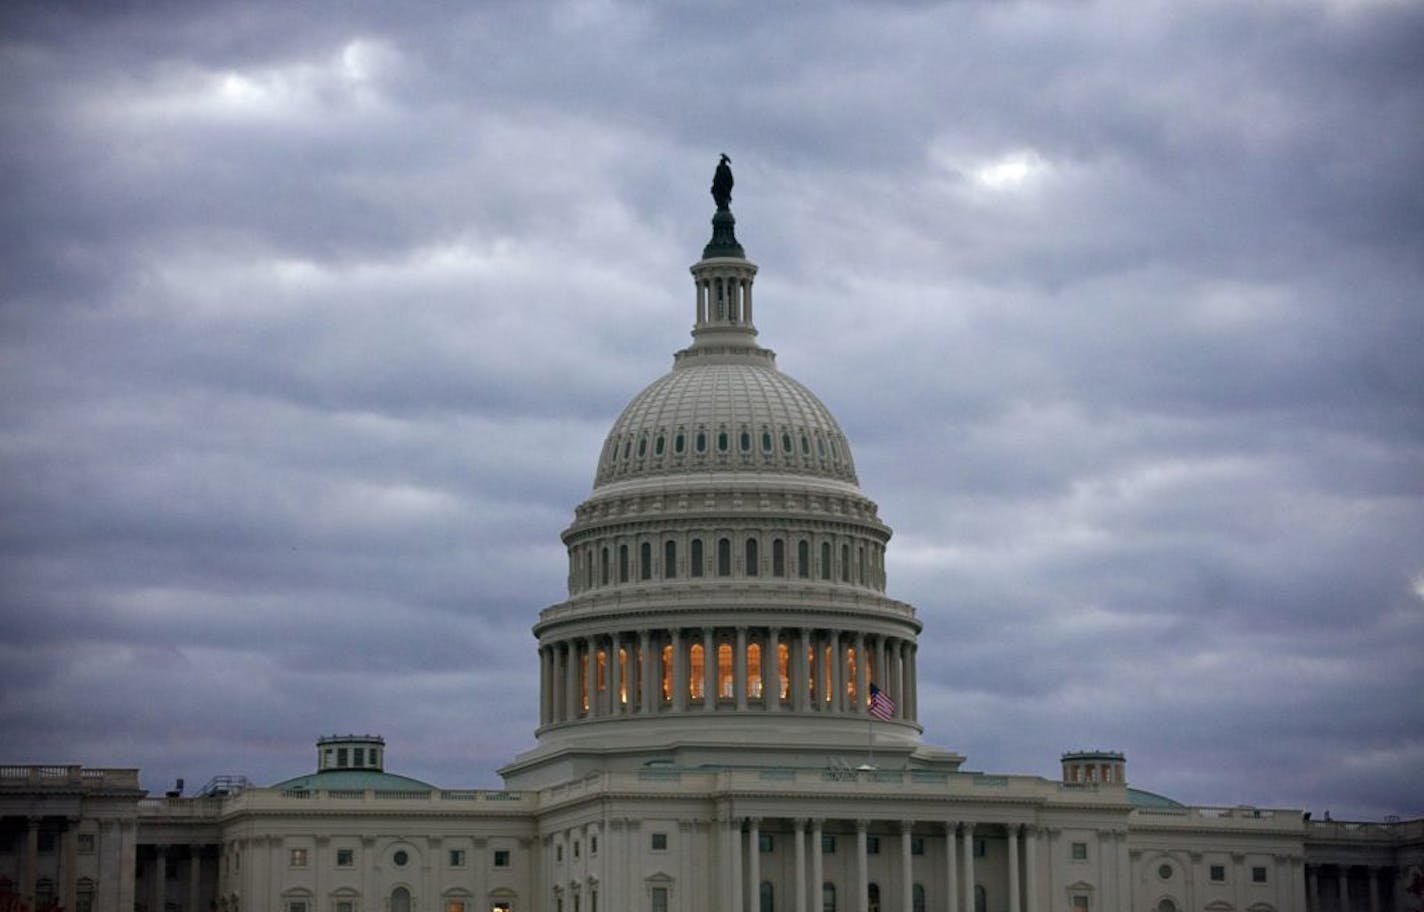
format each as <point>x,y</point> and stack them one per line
<point>912,686</point>
<point>907,873</point>
<point>951,865</point>
<point>195,875</point>
<point>1344,887</point>
<point>160,877</point>
<point>1312,887</point>
<point>709,669</point>
<point>615,676</point>
<point>544,691</point>
<point>1124,869</point>
<point>68,862</point>
<point>837,676</point>
<point>862,676</point>
<point>570,681</point>
<point>1031,868</point>
<point>801,692</point>
<point>968,854</point>
<point>737,887</point>
<point>647,681</point>
<point>862,868</point>
<point>1374,889</point>
<point>1014,905</point>
<point>754,863</point>
<point>818,876</point>
<point>679,673</point>
<point>747,300</point>
<point>590,677</point>
<point>739,670</point>
<point>799,833</point>
<point>897,676</point>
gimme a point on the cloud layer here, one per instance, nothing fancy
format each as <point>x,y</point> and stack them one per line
<point>314,317</point>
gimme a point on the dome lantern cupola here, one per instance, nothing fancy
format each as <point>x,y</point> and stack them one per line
<point>723,278</point>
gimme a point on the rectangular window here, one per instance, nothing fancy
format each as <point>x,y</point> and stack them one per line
<point>345,858</point>
<point>660,899</point>
<point>454,905</point>
<point>358,756</point>
<point>297,905</point>
<point>1258,875</point>
<point>45,842</point>
<point>981,848</point>
<point>828,845</point>
<point>917,845</point>
<point>1080,851</point>
<point>1218,873</point>
<point>659,842</point>
<point>501,858</point>
<point>694,566</point>
<point>457,858</point>
<point>345,905</point>
<point>558,853</point>
<point>576,848</point>
<point>86,843</point>
<point>872,845</point>
<point>764,842</point>
<point>1080,904</point>
<point>297,858</point>
<point>593,845</point>
<point>341,756</point>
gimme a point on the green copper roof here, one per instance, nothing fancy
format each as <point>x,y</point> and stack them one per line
<point>724,237</point>
<point>1141,799</point>
<point>354,780</point>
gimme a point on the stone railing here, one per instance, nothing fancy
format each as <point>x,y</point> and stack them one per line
<point>12,776</point>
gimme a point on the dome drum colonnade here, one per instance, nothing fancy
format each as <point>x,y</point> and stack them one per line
<point>727,562</point>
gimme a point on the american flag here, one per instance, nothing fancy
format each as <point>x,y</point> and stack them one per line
<point>881,706</point>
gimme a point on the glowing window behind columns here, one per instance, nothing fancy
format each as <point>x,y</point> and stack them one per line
<point>602,665</point>
<point>725,688</point>
<point>783,664</point>
<point>667,673</point>
<point>697,673</point>
<point>754,670</point>
<point>850,672</point>
<point>622,675</point>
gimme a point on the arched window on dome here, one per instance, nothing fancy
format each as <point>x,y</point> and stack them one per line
<point>645,561</point>
<point>860,564</point>
<point>588,568</point>
<point>697,672</point>
<point>820,446</point>
<point>778,557</point>
<point>753,559</point>
<point>701,442</point>
<point>694,567</point>
<point>726,687</point>
<point>724,557</point>
<point>667,674</point>
<point>754,683</point>
<point>744,442</point>
<point>603,565</point>
<point>785,443</point>
<point>669,559</point>
<point>805,446</point>
<point>825,560</point>
<point>679,443</point>
<point>766,443</point>
<point>845,563</point>
<point>783,669</point>
<point>642,447</point>
<point>622,563</point>
<point>723,442</point>
<point>803,559</point>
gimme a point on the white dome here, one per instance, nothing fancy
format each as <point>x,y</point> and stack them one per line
<point>736,414</point>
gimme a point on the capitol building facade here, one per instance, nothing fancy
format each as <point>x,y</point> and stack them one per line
<point>727,641</point>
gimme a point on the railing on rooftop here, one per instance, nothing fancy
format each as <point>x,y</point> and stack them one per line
<point>42,776</point>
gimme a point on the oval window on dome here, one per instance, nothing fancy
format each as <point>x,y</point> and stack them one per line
<point>835,450</point>
<point>679,443</point>
<point>805,446</point>
<point>701,441</point>
<point>766,441</point>
<point>785,442</point>
<point>820,447</point>
<point>722,442</point>
<point>642,447</point>
<point>658,446</point>
<point>745,441</point>
<point>627,448</point>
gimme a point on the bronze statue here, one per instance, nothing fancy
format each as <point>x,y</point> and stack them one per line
<point>722,182</point>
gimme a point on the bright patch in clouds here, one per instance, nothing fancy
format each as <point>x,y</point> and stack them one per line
<point>1011,171</point>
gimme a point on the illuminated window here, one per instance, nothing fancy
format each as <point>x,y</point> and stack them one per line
<point>754,670</point>
<point>778,557</point>
<point>669,560</point>
<point>454,905</point>
<point>667,673</point>
<point>783,662</point>
<point>724,557</point>
<point>297,858</point>
<point>622,675</point>
<point>726,690</point>
<point>803,559</point>
<point>695,568</point>
<point>697,672</point>
<point>811,667</point>
<point>850,673</point>
<point>601,663</point>
<point>752,561</point>
<point>645,561</point>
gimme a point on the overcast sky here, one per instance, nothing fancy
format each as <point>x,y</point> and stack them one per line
<point>314,318</point>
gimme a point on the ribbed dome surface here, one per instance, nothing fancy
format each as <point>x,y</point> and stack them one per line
<point>736,416</point>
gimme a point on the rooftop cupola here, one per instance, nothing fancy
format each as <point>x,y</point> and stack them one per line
<point>347,752</point>
<point>723,278</point>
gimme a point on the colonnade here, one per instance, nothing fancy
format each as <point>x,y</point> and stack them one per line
<point>953,890</point>
<point>1343,901</point>
<point>725,298</point>
<point>655,670</point>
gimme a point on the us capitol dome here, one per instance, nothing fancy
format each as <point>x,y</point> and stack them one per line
<point>726,577</point>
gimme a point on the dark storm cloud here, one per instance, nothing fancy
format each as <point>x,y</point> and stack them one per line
<point>314,318</point>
